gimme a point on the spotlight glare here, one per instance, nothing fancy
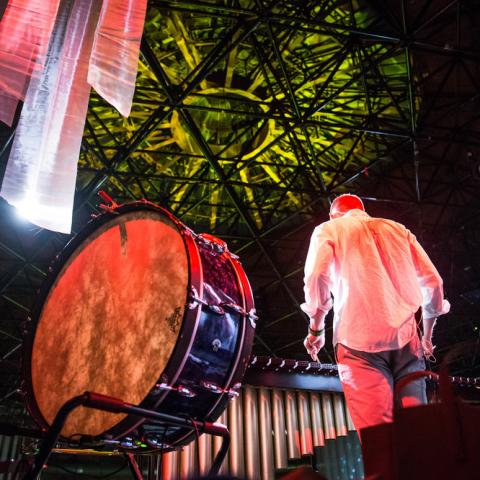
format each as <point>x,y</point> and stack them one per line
<point>49,217</point>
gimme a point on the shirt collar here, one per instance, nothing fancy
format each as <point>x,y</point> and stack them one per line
<point>356,212</point>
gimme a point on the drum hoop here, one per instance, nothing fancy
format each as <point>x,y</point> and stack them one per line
<point>195,278</point>
<point>249,307</point>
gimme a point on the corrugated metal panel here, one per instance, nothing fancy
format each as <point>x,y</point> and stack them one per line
<point>340,418</point>
<point>305,425</point>
<point>265,425</point>
<point>328,418</point>
<point>279,429</point>
<point>154,467</point>
<point>9,451</point>
<point>170,466</point>
<point>205,453</point>
<point>252,454</point>
<point>318,428</point>
<point>268,427</point>
<point>293,434</point>
<point>187,461</point>
<point>235,425</point>
<point>350,425</point>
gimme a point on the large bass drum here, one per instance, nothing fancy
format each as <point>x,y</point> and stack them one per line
<point>140,308</point>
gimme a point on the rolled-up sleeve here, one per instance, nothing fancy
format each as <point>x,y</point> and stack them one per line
<point>431,284</point>
<point>317,281</point>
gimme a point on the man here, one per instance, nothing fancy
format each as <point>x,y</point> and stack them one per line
<point>379,276</point>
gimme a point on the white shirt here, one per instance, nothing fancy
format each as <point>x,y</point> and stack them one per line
<point>379,276</point>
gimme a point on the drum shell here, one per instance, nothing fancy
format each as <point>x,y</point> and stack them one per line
<point>216,367</point>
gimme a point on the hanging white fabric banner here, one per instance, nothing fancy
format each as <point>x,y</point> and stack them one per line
<point>42,168</point>
<point>114,61</point>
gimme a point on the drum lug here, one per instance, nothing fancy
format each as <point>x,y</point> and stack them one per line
<point>212,387</point>
<point>194,299</point>
<point>184,391</point>
<point>186,230</point>
<point>216,309</point>
<point>232,394</point>
<point>161,387</point>
<point>252,314</point>
<point>252,317</point>
<point>234,391</point>
<point>214,244</point>
<point>233,307</point>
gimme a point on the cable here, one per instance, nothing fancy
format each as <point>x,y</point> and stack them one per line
<point>197,441</point>
<point>197,437</point>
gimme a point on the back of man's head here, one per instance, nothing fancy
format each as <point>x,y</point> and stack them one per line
<point>344,203</point>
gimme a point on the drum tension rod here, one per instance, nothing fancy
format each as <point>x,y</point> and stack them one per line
<point>194,300</point>
<point>184,391</point>
<point>210,386</point>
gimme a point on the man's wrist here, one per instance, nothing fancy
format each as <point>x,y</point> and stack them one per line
<point>316,332</point>
<point>428,325</point>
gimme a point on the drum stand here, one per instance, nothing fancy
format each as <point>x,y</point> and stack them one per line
<point>114,405</point>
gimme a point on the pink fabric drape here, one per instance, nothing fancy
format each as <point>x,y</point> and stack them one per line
<point>25,30</point>
<point>42,168</point>
<point>114,60</point>
<point>93,43</point>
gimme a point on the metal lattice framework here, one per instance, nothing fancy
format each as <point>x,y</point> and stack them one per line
<point>249,116</point>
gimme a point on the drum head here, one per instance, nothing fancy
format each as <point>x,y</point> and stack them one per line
<point>111,318</point>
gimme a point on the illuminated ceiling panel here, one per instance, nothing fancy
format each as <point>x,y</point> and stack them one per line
<point>240,118</point>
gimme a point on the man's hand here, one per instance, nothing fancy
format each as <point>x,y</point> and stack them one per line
<point>313,345</point>
<point>428,348</point>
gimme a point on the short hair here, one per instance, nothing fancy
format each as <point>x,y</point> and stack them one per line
<point>343,203</point>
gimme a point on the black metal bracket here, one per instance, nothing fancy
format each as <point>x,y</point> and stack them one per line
<point>114,405</point>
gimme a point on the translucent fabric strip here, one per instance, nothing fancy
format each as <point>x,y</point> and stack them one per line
<point>114,60</point>
<point>42,168</point>
<point>25,30</point>
<point>8,107</point>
